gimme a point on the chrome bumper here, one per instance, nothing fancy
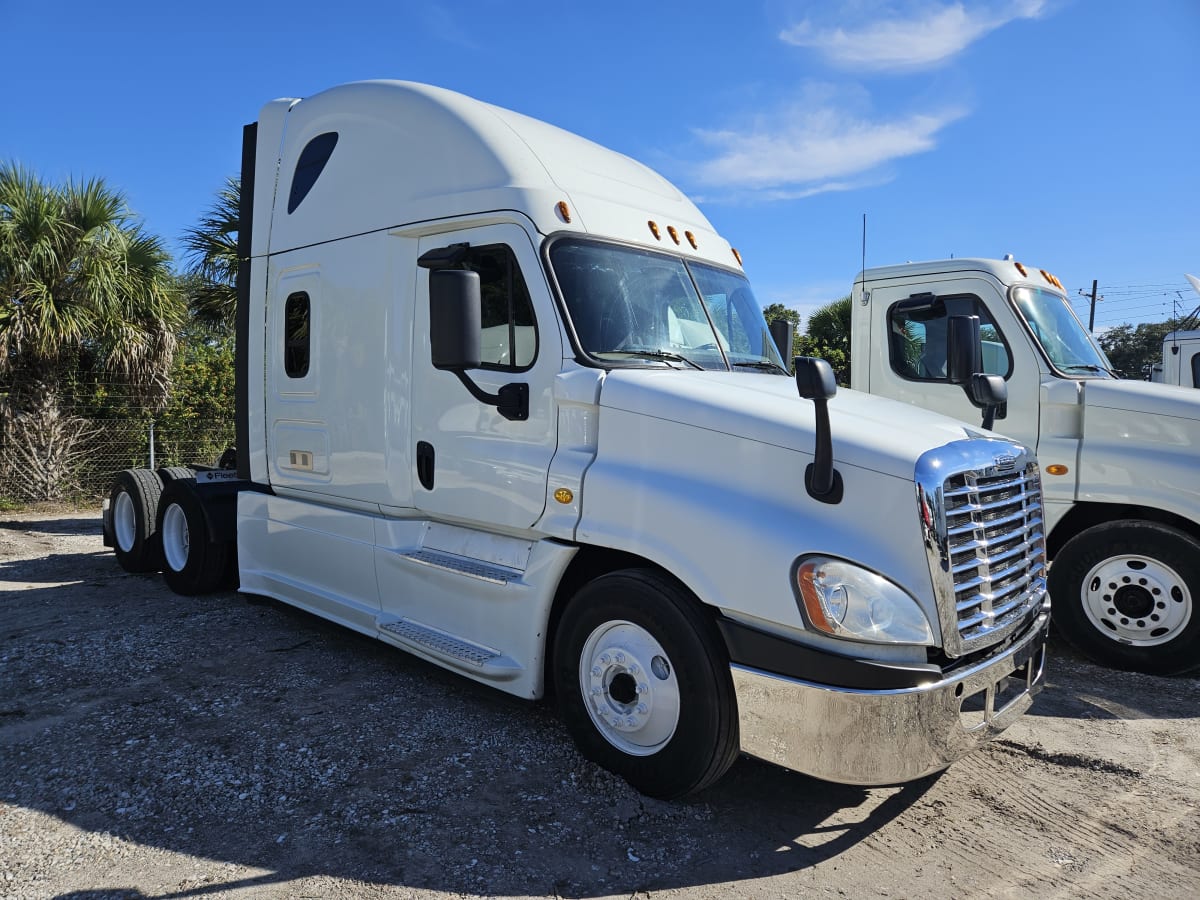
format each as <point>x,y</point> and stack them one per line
<point>887,737</point>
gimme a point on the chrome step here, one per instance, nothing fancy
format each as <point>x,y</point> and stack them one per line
<point>462,565</point>
<point>451,648</point>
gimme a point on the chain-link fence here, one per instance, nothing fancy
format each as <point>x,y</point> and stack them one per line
<point>72,451</point>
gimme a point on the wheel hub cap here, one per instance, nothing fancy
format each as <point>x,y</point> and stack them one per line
<point>1137,600</point>
<point>629,688</point>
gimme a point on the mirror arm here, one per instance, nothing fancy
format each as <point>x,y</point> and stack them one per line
<point>511,401</point>
<point>815,382</point>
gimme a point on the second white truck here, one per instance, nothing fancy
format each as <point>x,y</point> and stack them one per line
<point>1121,459</point>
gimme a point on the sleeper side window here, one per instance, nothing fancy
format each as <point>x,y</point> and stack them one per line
<point>1196,370</point>
<point>509,338</point>
<point>297,320</point>
<point>309,166</point>
<point>917,337</point>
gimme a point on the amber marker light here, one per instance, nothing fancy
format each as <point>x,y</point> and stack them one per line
<point>1057,469</point>
<point>691,239</point>
<point>654,230</point>
<point>564,210</point>
<point>805,577</point>
<point>737,255</point>
<point>673,233</point>
<point>564,495</point>
<point>1021,269</point>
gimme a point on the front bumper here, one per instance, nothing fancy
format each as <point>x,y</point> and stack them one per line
<point>876,737</point>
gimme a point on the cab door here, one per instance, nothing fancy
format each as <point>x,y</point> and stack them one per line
<point>908,358</point>
<point>472,465</point>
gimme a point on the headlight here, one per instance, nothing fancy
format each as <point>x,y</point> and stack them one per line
<point>847,601</point>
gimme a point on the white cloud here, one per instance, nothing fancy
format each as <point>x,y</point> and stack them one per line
<point>930,34</point>
<point>813,146</point>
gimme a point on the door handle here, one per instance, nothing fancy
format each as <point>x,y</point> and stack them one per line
<point>425,464</point>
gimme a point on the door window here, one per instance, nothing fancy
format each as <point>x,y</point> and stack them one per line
<point>509,338</point>
<point>917,337</point>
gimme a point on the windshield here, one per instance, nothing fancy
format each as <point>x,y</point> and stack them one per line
<point>1062,337</point>
<point>635,307</point>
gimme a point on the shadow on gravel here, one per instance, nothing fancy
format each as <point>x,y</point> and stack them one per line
<point>240,730</point>
<point>81,525</point>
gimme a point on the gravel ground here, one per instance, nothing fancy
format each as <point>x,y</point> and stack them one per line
<point>153,745</point>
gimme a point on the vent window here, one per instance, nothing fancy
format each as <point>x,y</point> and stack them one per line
<point>297,319</point>
<point>312,162</point>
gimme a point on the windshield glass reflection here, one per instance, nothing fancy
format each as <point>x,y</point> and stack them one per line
<point>1061,335</point>
<point>631,306</point>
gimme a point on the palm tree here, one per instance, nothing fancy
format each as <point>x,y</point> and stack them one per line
<point>828,336</point>
<point>213,260</point>
<point>79,280</point>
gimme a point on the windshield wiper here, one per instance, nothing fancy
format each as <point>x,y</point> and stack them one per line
<point>764,365</point>
<point>654,354</point>
<point>1089,367</point>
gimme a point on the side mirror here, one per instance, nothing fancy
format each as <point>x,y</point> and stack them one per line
<point>455,342</point>
<point>454,319</point>
<point>782,333</point>
<point>964,365</point>
<point>815,382</point>
<point>964,349</point>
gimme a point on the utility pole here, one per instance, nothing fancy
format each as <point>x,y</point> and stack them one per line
<point>1092,314</point>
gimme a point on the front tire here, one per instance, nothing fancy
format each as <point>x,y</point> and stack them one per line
<point>192,563</point>
<point>644,686</point>
<point>1126,594</point>
<point>133,503</point>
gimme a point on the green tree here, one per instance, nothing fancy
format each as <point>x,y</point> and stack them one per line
<point>1133,350</point>
<point>211,248</point>
<point>828,337</point>
<point>80,283</point>
<point>775,311</point>
<point>196,425</point>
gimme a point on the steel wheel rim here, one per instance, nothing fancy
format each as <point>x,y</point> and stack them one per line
<point>629,688</point>
<point>175,537</point>
<point>124,520</point>
<point>1136,600</point>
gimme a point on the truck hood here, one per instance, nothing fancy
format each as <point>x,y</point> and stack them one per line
<point>1142,398</point>
<point>868,431</point>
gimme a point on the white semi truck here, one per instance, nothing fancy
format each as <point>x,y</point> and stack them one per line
<point>506,401</point>
<point>1180,362</point>
<point>1120,459</point>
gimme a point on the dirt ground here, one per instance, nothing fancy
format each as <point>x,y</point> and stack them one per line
<point>159,746</point>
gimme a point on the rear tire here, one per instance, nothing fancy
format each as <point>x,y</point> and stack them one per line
<point>133,505</point>
<point>192,563</point>
<point>643,684</point>
<point>175,473</point>
<point>1126,594</point>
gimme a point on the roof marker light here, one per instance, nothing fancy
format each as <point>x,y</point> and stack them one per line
<point>1021,269</point>
<point>691,239</point>
<point>673,233</point>
<point>736,255</point>
<point>564,210</point>
<point>654,230</point>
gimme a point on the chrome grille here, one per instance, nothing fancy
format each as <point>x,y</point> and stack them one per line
<point>986,536</point>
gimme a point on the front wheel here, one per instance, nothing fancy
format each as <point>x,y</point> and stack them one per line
<point>643,684</point>
<point>193,563</point>
<point>1125,594</point>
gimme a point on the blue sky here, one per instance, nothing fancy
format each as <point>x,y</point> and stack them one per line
<point>1065,132</point>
